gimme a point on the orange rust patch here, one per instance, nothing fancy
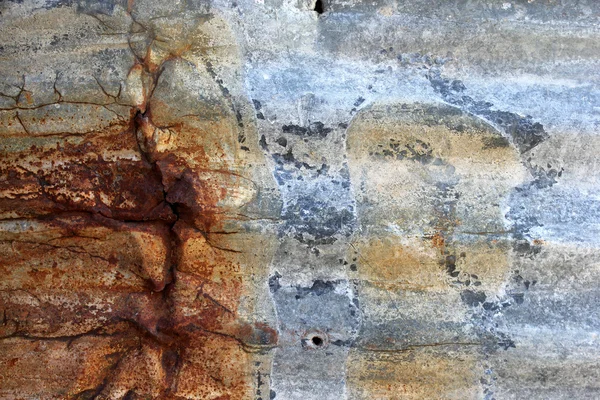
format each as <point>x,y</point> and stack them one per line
<point>438,241</point>
<point>28,98</point>
<point>125,243</point>
<point>102,174</point>
<point>215,367</point>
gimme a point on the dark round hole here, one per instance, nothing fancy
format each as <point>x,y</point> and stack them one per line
<point>319,7</point>
<point>317,341</point>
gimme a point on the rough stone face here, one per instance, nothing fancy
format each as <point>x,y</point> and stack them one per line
<point>289,199</point>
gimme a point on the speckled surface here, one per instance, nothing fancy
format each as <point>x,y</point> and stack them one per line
<point>255,200</point>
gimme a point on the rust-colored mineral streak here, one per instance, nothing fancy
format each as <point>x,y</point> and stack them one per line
<point>125,240</point>
<point>299,199</point>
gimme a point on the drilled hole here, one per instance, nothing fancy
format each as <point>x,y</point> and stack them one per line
<point>319,7</point>
<point>315,340</point>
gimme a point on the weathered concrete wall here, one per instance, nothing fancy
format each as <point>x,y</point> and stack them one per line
<point>237,199</point>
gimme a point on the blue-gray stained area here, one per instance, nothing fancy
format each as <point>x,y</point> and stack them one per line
<point>494,64</point>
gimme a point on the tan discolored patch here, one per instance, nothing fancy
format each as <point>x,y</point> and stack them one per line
<point>444,372</point>
<point>431,183</point>
<point>420,169</point>
<point>482,264</point>
<point>402,263</point>
<point>437,178</point>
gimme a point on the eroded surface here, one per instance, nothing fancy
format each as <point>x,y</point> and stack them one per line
<point>257,200</point>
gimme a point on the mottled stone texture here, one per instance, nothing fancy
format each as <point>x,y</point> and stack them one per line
<point>248,199</point>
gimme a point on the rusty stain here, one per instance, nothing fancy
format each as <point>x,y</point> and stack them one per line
<point>122,254</point>
<point>438,241</point>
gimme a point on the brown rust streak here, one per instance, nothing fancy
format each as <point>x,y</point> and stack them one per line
<point>109,195</point>
<point>83,177</point>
